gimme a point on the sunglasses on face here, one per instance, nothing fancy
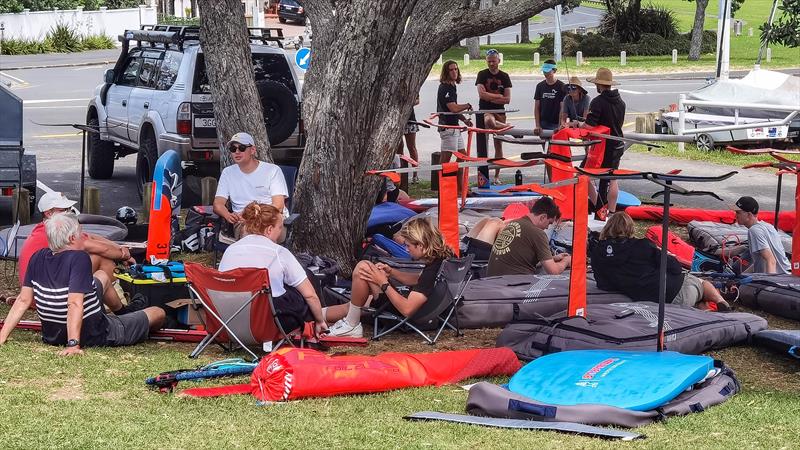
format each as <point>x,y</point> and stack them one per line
<point>237,148</point>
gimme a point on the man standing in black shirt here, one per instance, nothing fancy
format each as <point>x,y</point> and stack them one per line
<point>547,99</point>
<point>494,91</point>
<point>607,109</point>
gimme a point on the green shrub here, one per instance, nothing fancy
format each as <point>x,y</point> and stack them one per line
<point>649,45</point>
<point>64,39</point>
<point>658,20</point>
<point>627,23</point>
<point>25,47</point>
<point>174,20</point>
<point>570,43</point>
<point>97,42</point>
<point>598,45</point>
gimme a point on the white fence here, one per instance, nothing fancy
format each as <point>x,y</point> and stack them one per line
<point>111,22</point>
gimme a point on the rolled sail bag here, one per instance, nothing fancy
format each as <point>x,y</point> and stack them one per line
<point>294,373</point>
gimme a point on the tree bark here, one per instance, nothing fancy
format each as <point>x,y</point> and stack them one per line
<point>696,44</point>
<point>474,47</point>
<point>225,42</point>
<point>525,31</point>
<point>389,47</point>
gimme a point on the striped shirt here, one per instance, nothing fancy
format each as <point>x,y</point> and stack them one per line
<point>53,277</point>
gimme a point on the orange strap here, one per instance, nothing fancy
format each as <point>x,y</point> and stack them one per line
<point>489,130</point>
<point>448,205</point>
<point>503,162</point>
<point>394,176</point>
<point>580,227</point>
<point>409,160</point>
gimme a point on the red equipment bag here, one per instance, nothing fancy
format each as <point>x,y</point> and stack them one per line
<point>295,373</point>
<point>682,251</point>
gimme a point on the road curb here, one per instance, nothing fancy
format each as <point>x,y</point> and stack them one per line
<point>55,66</point>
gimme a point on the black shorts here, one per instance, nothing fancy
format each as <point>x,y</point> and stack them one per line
<point>482,250</point>
<point>612,157</point>
<point>127,329</point>
<point>292,309</point>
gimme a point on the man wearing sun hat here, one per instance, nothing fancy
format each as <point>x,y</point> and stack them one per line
<point>607,109</point>
<point>763,241</point>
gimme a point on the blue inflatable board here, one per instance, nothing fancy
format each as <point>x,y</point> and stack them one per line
<point>624,200</point>
<point>787,341</point>
<point>394,249</point>
<point>165,208</point>
<point>388,213</point>
<point>639,381</point>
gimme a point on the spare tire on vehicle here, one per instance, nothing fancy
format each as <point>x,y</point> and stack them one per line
<point>280,110</point>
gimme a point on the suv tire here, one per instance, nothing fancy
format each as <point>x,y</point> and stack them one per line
<point>100,154</point>
<point>146,161</point>
<point>280,110</point>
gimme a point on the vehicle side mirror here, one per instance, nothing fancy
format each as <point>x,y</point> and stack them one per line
<point>108,76</point>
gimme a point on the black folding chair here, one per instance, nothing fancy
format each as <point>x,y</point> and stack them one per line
<point>437,312</point>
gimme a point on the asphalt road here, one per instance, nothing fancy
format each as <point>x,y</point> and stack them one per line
<point>545,23</point>
<point>60,95</point>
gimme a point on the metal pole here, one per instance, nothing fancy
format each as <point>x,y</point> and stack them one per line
<point>662,270</point>
<point>723,43</point>
<point>83,166</point>
<point>766,37</point>
<point>681,121</point>
<point>778,201</point>
<point>557,34</point>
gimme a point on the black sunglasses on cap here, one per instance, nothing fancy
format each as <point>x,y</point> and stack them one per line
<point>233,148</point>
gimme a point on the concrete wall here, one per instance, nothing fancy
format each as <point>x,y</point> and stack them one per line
<point>112,22</point>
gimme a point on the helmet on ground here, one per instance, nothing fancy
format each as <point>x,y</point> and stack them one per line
<point>127,215</point>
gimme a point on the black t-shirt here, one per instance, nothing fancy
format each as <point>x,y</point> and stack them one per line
<point>493,83</point>
<point>412,117</point>
<point>550,97</point>
<point>447,94</point>
<point>427,279</point>
<point>53,277</point>
<point>608,109</point>
<point>631,266</point>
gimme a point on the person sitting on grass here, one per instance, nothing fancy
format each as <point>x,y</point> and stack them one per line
<point>624,263</point>
<point>103,253</point>
<point>292,291</point>
<point>68,296</point>
<point>371,285</point>
<point>763,241</point>
<point>523,244</point>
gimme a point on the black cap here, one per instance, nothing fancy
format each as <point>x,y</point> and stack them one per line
<point>747,204</point>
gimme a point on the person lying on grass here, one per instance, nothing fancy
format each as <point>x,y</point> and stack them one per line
<point>624,263</point>
<point>69,297</point>
<point>371,285</point>
<point>292,291</point>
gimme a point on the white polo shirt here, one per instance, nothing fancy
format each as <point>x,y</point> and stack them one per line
<point>260,185</point>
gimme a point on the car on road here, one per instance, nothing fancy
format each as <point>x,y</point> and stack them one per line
<point>291,10</point>
<point>157,97</point>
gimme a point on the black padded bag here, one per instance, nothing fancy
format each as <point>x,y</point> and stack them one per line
<point>775,294</point>
<point>629,326</point>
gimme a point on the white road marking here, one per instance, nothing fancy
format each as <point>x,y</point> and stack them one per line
<point>18,80</point>
<point>55,100</point>
<point>55,107</point>
<point>626,91</point>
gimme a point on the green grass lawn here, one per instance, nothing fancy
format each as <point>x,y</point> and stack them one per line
<point>99,400</point>
<point>518,58</point>
<point>693,154</point>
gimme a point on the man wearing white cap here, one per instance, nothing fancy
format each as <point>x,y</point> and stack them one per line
<point>104,254</point>
<point>246,181</point>
<point>607,109</point>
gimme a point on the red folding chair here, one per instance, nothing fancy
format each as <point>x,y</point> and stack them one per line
<point>238,308</point>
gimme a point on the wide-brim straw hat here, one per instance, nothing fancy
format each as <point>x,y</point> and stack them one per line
<point>575,81</point>
<point>603,77</point>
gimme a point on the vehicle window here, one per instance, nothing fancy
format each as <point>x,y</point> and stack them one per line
<point>131,72</point>
<point>149,66</point>
<point>266,66</point>
<point>289,3</point>
<point>169,70</point>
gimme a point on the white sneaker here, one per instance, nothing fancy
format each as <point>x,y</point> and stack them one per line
<point>344,329</point>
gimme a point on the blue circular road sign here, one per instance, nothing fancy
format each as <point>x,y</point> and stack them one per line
<point>302,58</point>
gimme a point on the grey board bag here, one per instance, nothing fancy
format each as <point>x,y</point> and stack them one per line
<point>487,399</point>
<point>776,294</point>
<point>629,326</point>
<point>714,237</point>
<point>496,301</point>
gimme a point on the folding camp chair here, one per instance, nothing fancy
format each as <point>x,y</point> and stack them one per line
<point>438,310</point>
<point>238,308</point>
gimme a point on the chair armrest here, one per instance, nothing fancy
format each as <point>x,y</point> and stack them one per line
<point>290,220</point>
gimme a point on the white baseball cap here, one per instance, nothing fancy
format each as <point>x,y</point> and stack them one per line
<point>52,200</point>
<point>242,138</point>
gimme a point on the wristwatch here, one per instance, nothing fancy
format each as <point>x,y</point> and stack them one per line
<point>73,343</point>
<point>384,287</point>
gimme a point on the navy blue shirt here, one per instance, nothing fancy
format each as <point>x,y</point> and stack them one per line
<point>447,93</point>
<point>53,277</point>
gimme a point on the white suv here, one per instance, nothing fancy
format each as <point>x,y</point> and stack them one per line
<point>157,98</point>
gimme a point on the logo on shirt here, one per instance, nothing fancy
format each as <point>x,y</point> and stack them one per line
<point>502,244</point>
<point>609,251</point>
<point>550,95</point>
<point>446,95</point>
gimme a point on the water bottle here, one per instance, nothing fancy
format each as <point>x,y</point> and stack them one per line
<point>518,178</point>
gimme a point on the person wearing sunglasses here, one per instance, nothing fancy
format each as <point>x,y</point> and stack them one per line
<point>547,99</point>
<point>494,91</point>
<point>246,181</point>
<point>575,105</point>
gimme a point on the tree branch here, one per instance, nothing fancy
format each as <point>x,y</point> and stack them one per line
<point>464,22</point>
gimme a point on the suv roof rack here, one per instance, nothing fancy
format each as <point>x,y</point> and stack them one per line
<point>179,34</point>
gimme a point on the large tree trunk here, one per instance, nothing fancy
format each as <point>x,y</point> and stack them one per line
<point>389,47</point>
<point>225,42</point>
<point>525,31</point>
<point>697,30</point>
<point>474,47</point>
